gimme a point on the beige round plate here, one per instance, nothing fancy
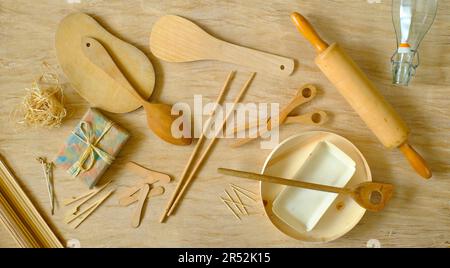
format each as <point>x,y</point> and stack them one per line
<point>287,158</point>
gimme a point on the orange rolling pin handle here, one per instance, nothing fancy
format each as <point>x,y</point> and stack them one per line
<point>416,161</point>
<point>305,28</point>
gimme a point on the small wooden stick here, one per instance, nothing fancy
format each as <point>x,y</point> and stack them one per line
<point>147,175</point>
<point>246,195</point>
<point>77,207</point>
<point>136,220</point>
<point>235,205</point>
<point>229,201</point>
<point>87,195</point>
<point>205,153</point>
<point>197,147</point>
<point>242,189</point>
<point>128,200</point>
<point>240,201</point>
<point>89,211</point>
<point>231,209</point>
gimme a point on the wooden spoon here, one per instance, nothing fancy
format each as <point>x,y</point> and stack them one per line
<point>372,196</point>
<point>176,39</point>
<point>159,116</point>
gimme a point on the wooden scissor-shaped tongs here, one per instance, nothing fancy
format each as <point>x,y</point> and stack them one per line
<point>304,94</point>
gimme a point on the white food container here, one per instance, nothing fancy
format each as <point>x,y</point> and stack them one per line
<point>302,208</point>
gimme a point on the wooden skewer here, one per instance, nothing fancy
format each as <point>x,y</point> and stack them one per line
<point>240,201</point>
<point>205,153</point>
<point>20,216</point>
<point>197,147</point>
<point>231,209</point>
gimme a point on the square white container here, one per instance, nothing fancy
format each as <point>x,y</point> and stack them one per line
<point>302,208</point>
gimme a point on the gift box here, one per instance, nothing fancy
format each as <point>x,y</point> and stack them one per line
<point>91,147</point>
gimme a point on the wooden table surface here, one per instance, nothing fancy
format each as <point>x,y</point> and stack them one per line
<point>418,215</point>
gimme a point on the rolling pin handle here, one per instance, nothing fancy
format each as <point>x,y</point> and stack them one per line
<point>305,28</point>
<point>416,161</point>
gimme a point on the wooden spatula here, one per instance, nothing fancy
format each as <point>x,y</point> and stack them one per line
<point>159,118</point>
<point>372,196</point>
<point>176,39</point>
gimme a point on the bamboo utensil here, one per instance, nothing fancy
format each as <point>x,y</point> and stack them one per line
<point>362,95</point>
<point>197,146</point>
<point>173,204</point>
<point>372,196</point>
<point>87,197</point>
<point>159,117</point>
<point>19,215</point>
<point>176,39</point>
<point>304,95</point>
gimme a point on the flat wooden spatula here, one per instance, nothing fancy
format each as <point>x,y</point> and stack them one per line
<point>372,196</point>
<point>159,118</point>
<point>176,39</point>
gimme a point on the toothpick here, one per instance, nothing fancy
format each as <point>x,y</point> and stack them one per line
<point>246,195</point>
<point>242,189</point>
<point>229,207</point>
<point>229,201</point>
<point>240,201</point>
<point>235,205</point>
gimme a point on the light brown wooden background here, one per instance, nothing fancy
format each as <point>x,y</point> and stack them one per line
<point>418,215</point>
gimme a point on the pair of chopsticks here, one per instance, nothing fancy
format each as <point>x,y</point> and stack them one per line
<point>184,183</point>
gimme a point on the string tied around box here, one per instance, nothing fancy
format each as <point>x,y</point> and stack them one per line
<point>88,137</point>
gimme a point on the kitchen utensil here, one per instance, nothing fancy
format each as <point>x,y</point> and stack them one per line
<point>176,39</point>
<point>362,95</point>
<point>159,117</point>
<point>372,196</point>
<point>225,87</point>
<point>304,95</point>
<point>136,220</point>
<point>169,209</point>
<point>286,160</point>
<point>92,83</point>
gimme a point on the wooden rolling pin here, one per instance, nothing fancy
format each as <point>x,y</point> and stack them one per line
<point>362,95</point>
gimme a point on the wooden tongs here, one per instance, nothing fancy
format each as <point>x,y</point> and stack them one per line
<point>304,95</point>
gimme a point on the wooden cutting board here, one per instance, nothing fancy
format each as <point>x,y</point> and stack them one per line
<point>92,83</point>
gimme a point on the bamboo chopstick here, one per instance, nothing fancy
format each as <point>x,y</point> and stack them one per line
<point>197,147</point>
<point>19,215</point>
<point>205,153</point>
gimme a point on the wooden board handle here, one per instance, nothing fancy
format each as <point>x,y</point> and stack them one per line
<point>305,28</point>
<point>255,59</point>
<point>416,161</point>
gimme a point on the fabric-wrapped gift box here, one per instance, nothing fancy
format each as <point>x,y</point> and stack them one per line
<point>91,147</point>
